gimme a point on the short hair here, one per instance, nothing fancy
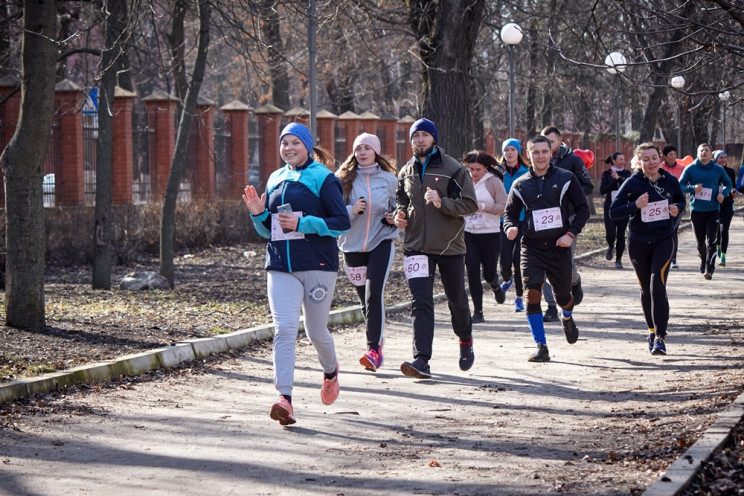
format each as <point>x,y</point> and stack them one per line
<point>668,148</point>
<point>646,146</point>
<point>551,130</point>
<point>706,144</point>
<point>537,139</point>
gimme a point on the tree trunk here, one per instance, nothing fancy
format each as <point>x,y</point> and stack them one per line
<point>114,26</point>
<point>176,42</point>
<point>179,165</point>
<point>278,66</point>
<point>23,165</point>
<point>447,31</point>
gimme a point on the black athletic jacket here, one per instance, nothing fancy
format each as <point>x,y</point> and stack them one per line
<point>557,188</point>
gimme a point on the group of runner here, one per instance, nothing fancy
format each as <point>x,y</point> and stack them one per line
<point>460,217</point>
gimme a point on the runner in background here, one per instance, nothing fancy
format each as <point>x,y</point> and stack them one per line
<point>727,208</point>
<point>612,179</point>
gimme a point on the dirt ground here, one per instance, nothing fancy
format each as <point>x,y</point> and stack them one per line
<point>603,417</point>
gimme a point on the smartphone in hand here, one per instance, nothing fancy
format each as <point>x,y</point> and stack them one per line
<point>284,209</point>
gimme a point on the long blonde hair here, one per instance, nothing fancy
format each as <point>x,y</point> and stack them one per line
<point>348,170</point>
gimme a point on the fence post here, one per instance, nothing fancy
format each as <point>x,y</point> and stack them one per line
<point>202,183</point>
<point>489,141</point>
<point>161,116</point>
<point>350,121</point>
<point>123,165</point>
<point>368,123</point>
<point>327,131</point>
<point>406,152</point>
<point>299,114</point>
<point>238,114</point>
<point>269,123</point>
<point>9,113</point>
<point>70,182</point>
<point>387,132</point>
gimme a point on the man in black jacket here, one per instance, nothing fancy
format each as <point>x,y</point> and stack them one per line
<point>565,158</point>
<point>548,195</point>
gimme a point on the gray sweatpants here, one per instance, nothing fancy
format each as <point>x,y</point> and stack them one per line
<point>311,291</point>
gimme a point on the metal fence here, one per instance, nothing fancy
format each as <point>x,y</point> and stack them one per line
<point>53,165</point>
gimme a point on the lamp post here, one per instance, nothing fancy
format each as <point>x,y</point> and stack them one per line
<point>615,63</point>
<point>678,82</point>
<point>724,97</point>
<point>511,34</point>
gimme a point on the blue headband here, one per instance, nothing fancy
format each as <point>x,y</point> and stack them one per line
<point>511,142</point>
<point>302,132</point>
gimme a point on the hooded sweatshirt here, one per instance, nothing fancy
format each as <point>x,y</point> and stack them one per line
<point>491,196</point>
<point>369,228</point>
<point>712,177</point>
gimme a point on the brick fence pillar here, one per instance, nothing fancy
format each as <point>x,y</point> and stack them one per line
<point>202,177</point>
<point>161,115</point>
<point>70,182</point>
<point>351,124</point>
<point>9,112</point>
<point>238,115</point>
<point>327,131</point>
<point>490,143</point>
<point>387,132</point>
<point>299,114</point>
<point>123,165</point>
<point>269,126</point>
<point>368,123</point>
<point>405,152</point>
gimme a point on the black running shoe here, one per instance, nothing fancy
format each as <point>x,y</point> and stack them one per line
<point>578,293</point>
<point>651,339</point>
<point>467,356</point>
<point>608,255</point>
<point>478,318</point>
<point>551,314</point>
<point>570,330</point>
<point>499,294</point>
<point>541,355</point>
<point>418,368</point>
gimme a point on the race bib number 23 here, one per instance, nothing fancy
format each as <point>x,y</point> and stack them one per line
<point>547,218</point>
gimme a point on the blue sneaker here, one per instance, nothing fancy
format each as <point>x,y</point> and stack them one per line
<point>659,347</point>
<point>506,285</point>
<point>518,305</point>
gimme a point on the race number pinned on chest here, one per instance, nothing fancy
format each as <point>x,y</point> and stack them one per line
<point>278,234</point>
<point>357,275</point>
<point>416,266</point>
<point>547,218</point>
<point>704,194</point>
<point>658,210</point>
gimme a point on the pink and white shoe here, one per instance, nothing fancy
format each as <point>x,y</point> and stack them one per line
<point>329,390</point>
<point>283,412</point>
<point>372,360</point>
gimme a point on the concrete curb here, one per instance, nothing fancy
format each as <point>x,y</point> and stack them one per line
<point>170,356</point>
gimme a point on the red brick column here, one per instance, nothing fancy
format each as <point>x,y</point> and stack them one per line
<point>11,109</point>
<point>69,184</point>
<point>327,131</point>
<point>269,126</point>
<point>123,166</point>
<point>161,112</point>
<point>388,134</point>
<point>351,123</point>
<point>490,143</point>
<point>202,184</point>
<point>404,125</point>
<point>238,114</point>
<point>299,114</point>
<point>368,123</point>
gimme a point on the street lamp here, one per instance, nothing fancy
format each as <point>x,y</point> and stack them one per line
<point>724,97</point>
<point>511,34</point>
<point>615,63</point>
<point>678,82</point>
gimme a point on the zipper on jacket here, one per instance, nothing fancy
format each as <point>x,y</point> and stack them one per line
<point>289,261</point>
<point>369,214</point>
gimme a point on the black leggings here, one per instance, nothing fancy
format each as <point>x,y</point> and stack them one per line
<point>615,233</point>
<point>510,250</point>
<point>705,225</point>
<point>651,262</point>
<point>378,262</point>
<point>482,249</point>
<point>727,213</point>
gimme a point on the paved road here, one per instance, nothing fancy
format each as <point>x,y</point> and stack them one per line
<point>603,417</point>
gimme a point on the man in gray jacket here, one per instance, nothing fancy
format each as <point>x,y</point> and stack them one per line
<point>434,195</point>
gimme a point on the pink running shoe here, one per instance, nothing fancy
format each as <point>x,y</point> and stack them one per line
<point>329,391</point>
<point>282,411</point>
<point>372,360</point>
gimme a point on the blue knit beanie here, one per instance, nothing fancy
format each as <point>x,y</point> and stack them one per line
<point>302,132</point>
<point>424,125</point>
<point>511,142</point>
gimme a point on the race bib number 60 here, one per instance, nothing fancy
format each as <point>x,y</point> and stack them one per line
<point>416,266</point>
<point>547,218</point>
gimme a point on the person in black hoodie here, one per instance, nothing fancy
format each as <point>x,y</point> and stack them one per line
<point>612,179</point>
<point>564,158</point>
<point>652,198</point>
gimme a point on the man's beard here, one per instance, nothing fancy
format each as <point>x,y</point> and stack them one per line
<point>423,153</point>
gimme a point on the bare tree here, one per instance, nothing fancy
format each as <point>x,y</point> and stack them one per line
<point>23,162</point>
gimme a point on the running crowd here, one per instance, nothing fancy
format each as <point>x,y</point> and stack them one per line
<point>463,217</point>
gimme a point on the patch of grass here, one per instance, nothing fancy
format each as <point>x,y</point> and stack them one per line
<point>40,369</point>
<point>220,330</point>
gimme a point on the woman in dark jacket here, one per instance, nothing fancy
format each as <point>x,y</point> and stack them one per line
<point>652,198</point>
<point>612,179</point>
